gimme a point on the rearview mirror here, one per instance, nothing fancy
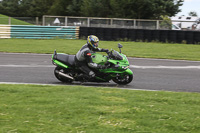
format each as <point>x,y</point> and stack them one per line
<point>119,45</point>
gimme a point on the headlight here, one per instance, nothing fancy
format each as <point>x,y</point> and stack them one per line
<point>125,67</point>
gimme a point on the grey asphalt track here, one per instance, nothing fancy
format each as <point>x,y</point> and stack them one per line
<point>149,74</point>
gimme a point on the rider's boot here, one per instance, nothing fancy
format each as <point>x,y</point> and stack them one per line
<point>84,77</point>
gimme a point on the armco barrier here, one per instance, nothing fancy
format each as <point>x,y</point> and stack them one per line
<point>39,32</point>
<point>113,34</point>
<point>5,31</point>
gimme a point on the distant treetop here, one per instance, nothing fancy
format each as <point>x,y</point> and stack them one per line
<point>134,9</point>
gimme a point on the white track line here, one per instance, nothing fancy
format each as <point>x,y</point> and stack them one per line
<point>133,58</point>
<point>131,66</point>
<point>165,67</point>
<point>25,53</point>
<point>27,66</point>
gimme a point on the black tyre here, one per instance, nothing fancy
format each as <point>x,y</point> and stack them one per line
<point>123,80</point>
<point>59,77</point>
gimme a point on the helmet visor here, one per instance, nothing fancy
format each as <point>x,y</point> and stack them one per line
<point>95,44</point>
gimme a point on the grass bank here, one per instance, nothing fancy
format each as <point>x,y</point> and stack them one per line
<point>131,49</point>
<point>76,109</point>
<point>5,20</point>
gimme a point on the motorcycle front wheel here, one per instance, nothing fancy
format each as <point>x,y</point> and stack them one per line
<point>123,80</point>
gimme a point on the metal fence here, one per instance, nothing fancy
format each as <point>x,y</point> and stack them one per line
<point>83,22</point>
<point>101,22</point>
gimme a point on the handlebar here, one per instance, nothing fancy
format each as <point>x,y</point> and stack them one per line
<point>109,53</point>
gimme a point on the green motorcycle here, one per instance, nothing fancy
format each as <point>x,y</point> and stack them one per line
<point>117,68</point>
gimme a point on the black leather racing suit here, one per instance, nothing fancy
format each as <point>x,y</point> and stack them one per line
<point>83,59</point>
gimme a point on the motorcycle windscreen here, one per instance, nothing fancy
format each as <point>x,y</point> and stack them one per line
<point>116,55</point>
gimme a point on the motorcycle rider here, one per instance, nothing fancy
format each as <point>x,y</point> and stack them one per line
<point>83,58</point>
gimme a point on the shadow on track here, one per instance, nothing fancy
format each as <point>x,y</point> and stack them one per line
<point>111,84</point>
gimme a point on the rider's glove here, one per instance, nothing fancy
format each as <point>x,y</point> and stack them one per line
<point>105,50</point>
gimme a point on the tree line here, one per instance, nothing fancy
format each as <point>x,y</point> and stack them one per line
<point>134,9</point>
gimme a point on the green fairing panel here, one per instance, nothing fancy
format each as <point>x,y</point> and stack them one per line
<point>99,59</point>
<point>129,71</point>
<point>110,70</point>
<point>125,61</point>
<point>59,63</point>
<point>102,59</point>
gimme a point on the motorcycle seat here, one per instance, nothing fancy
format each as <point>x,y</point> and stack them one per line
<point>69,60</point>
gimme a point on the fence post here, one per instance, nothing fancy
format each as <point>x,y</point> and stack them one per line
<point>111,22</point>
<point>134,23</point>
<point>37,21</point>
<point>157,25</point>
<point>88,25</point>
<point>43,20</point>
<point>9,21</point>
<point>66,19</point>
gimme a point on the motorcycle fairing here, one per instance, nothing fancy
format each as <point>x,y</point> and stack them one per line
<point>119,66</point>
<point>99,59</point>
<point>58,63</point>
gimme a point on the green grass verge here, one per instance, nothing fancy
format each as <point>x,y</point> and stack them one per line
<point>76,109</point>
<point>131,49</point>
<point>4,20</point>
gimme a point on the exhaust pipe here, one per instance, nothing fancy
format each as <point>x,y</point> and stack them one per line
<point>64,75</point>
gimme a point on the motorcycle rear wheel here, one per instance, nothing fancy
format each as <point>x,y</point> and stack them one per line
<point>126,79</point>
<point>59,77</point>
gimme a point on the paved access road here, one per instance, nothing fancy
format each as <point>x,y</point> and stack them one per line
<point>150,74</point>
